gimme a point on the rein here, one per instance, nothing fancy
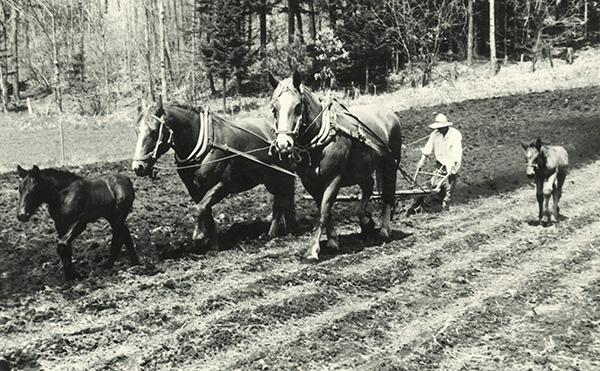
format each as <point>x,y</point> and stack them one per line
<point>329,128</point>
<point>203,144</point>
<point>161,132</point>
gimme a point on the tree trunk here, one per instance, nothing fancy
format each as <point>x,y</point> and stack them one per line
<point>367,78</point>
<point>162,48</point>
<point>492,39</point>
<point>82,40</point>
<point>211,84</point>
<point>585,19</point>
<point>536,49</point>
<point>148,55</point>
<point>224,94</point>
<point>470,33</point>
<point>505,32</point>
<point>332,14</point>
<point>102,28</point>
<point>3,59</point>
<point>15,54</point>
<point>193,54</point>
<point>263,28</point>
<point>57,89</point>
<point>291,14</point>
<point>298,13</point>
<point>128,32</point>
<point>177,42</point>
<point>312,20</point>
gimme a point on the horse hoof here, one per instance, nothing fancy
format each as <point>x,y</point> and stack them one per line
<point>333,245</point>
<point>72,275</point>
<point>384,235</point>
<point>310,259</point>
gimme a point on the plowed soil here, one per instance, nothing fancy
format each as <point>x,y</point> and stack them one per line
<point>480,287</point>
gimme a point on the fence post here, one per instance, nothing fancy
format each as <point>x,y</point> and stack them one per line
<point>62,140</point>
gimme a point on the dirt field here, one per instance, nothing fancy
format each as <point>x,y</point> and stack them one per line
<point>481,287</point>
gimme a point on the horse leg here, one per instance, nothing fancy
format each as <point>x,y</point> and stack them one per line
<point>560,180</point>
<point>327,200</point>
<point>283,205</point>
<point>133,258</point>
<point>115,246</point>
<point>547,191</point>
<point>65,250</point>
<point>367,226</point>
<point>211,230</point>
<point>539,193</point>
<point>205,231</point>
<point>277,217</point>
<point>388,198</point>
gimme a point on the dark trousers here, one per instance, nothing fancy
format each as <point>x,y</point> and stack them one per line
<point>445,185</point>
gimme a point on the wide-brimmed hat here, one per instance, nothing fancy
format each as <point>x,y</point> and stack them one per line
<point>440,122</point>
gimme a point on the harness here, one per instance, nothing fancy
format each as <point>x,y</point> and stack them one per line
<point>204,143</point>
<point>330,125</point>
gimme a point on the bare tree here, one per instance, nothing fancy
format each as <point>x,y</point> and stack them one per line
<point>470,32</point>
<point>493,60</point>
<point>419,28</point>
<point>162,48</point>
<point>15,54</point>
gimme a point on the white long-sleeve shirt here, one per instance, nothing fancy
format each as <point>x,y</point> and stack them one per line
<point>447,148</point>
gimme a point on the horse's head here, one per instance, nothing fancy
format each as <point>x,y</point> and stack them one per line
<point>154,138</point>
<point>533,156</point>
<point>288,110</point>
<point>31,192</point>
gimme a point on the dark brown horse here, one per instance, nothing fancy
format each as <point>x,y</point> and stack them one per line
<point>334,148</point>
<point>215,158</point>
<point>73,202</point>
<point>548,165</point>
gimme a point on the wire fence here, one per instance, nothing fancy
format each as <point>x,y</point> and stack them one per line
<point>81,145</point>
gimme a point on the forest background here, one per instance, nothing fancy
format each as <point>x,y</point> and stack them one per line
<point>92,57</point>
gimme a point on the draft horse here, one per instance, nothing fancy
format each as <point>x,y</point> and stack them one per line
<point>335,147</point>
<point>214,158</point>
<point>548,165</point>
<point>73,202</point>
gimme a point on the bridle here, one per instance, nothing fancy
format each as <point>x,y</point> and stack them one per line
<point>162,130</point>
<point>295,132</point>
<point>296,129</point>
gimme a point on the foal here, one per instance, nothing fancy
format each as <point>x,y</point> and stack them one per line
<point>548,164</point>
<point>73,202</point>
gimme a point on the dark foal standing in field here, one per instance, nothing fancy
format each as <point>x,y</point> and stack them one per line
<point>74,201</point>
<point>548,165</point>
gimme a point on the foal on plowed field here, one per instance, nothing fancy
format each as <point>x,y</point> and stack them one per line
<point>548,165</point>
<point>74,201</point>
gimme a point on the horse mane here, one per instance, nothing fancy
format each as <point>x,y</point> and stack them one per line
<point>186,106</point>
<point>61,178</point>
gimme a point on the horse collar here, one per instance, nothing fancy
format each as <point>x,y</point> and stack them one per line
<point>203,143</point>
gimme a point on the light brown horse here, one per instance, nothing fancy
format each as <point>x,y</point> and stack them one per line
<point>335,148</point>
<point>548,165</point>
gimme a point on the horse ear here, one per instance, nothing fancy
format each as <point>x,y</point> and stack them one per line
<point>159,104</point>
<point>538,144</point>
<point>142,105</point>
<point>274,82</point>
<point>22,172</point>
<point>35,172</point>
<point>525,146</point>
<point>297,79</point>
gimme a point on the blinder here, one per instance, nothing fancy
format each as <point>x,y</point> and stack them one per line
<point>162,130</point>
